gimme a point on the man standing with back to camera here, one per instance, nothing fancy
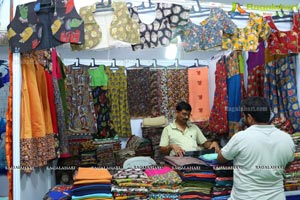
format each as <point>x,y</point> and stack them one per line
<point>260,155</point>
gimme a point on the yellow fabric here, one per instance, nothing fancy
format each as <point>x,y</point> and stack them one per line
<point>155,121</point>
<point>82,182</point>
<point>92,174</point>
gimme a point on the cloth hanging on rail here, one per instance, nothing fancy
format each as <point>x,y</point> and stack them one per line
<point>247,38</point>
<point>139,92</point>
<point>48,27</point>
<point>60,100</point>
<point>198,93</point>
<point>280,88</point>
<point>284,42</point>
<point>92,31</point>
<point>208,34</point>
<point>234,92</point>
<point>177,89</point>
<point>159,32</point>
<point>37,138</point>
<point>119,101</point>
<point>218,117</point>
<point>79,99</point>
<point>156,96</point>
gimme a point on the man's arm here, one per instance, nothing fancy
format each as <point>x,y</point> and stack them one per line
<point>165,150</point>
<point>221,158</point>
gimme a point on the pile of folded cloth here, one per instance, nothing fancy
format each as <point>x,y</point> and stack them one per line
<point>92,183</point>
<point>197,177</point>
<point>59,192</point>
<point>224,176</point>
<point>130,184</point>
<point>292,174</point>
<point>165,183</point>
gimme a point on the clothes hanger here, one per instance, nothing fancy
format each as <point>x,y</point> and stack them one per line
<point>103,6</point>
<point>200,11</point>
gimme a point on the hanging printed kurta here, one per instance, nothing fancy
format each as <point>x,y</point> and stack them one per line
<point>156,96</point>
<point>178,89</point>
<point>280,89</point>
<point>117,94</point>
<point>139,92</point>
<point>37,139</point>
<point>234,92</point>
<point>79,100</point>
<point>218,117</point>
<point>198,93</point>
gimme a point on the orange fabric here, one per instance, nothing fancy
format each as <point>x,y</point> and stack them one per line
<point>198,93</point>
<point>8,137</point>
<point>90,182</point>
<point>92,174</point>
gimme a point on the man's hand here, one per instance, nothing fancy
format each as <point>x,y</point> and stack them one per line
<point>214,145</point>
<point>177,149</point>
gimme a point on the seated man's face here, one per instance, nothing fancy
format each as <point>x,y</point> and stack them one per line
<point>183,115</point>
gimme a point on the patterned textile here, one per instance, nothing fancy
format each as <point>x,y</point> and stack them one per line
<point>177,86</point>
<point>133,142</point>
<point>119,102</point>
<point>156,95</point>
<point>208,34</point>
<point>75,140</point>
<point>182,163</point>
<point>284,42</point>
<point>255,85</point>
<point>218,117</point>
<point>79,100</point>
<point>105,155</point>
<point>139,92</point>
<point>3,162</point>
<point>59,192</point>
<point>37,138</point>
<point>102,114</point>
<point>198,93</point>
<point>164,90</point>
<point>130,173</point>
<point>129,190</point>
<point>280,90</point>
<point>248,38</point>
<point>162,196</point>
<point>122,26</point>
<point>234,92</point>
<point>169,178</point>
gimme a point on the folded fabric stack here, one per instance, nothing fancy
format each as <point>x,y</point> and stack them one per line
<point>92,184</point>
<point>165,183</point>
<point>292,175</point>
<point>224,176</point>
<point>59,192</point>
<point>197,177</point>
<point>130,184</point>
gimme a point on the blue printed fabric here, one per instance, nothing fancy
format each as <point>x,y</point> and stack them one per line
<point>281,91</point>
<point>207,35</point>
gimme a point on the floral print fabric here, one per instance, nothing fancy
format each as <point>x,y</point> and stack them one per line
<point>284,42</point>
<point>122,26</point>
<point>118,97</point>
<point>139,92</point>
<point>247,39</point>
<point>218,117</point>
<point>208,35</point>
<point>281,91</point>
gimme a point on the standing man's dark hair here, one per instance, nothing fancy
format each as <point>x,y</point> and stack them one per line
<point>258,108</point>
<point>183,106</point>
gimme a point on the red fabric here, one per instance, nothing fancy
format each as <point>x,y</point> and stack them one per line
<point>218,117</point>
<point>255,85</point>
<point>51,99</point>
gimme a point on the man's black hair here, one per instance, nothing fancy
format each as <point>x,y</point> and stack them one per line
<point>183,106</point>
<point>258,108</point>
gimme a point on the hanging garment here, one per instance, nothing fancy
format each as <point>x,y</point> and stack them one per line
<point>79,100</point>
<point>139,92</point>
<point>280,89</point>
<point>3,162</point>
<point>234,92</point>
<point>208,34</point>
<point>177,89</point>
<point>159,32</point>
<point>218,117</point>
<point>122,26</point>
<point>284,42</point>
<point>59,98</point>
<point>247,38</point>
<point>92,31</point>
<point>119,101</point>
<point>37,138</point>
<point>4,87</point>
<point>156,96</point>
<point>46,28</point>
<point>98,76</point>
<point>198,93</point>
